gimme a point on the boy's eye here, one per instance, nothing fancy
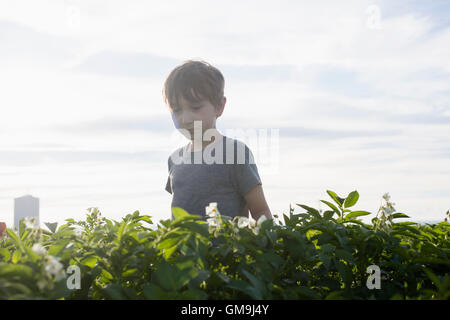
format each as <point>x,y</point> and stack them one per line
<point>196,107</point>
<point>176,110</point>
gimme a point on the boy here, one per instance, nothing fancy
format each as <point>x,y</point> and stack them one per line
<point>194,94</point>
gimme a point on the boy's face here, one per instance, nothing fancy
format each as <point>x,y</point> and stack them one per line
<point>186,113</point>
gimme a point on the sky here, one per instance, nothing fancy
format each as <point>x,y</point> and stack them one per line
<point>358,91</point>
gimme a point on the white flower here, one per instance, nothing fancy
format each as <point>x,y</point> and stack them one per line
<point>213,204</point>
<point>389,209</point>
<point>39,249</point>
<point>385,213</point>
<point>213,222</point>
<point>70,245</point>
<point>61,274</point>
<point>261,220</point>
<point>55,268</point>
<point>53,265</point>
<point>213,216</point>
<point>243,222</point>
<point>29,222</point>
<point>213,213</point>
<point>211,210</point>
<point>99,217</point>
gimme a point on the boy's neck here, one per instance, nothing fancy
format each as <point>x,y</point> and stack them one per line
<point>193,147</point>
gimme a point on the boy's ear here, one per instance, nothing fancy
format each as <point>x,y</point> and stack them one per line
<point>221,107</point>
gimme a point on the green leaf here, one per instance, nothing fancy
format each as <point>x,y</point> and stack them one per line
<point>406,223</point>
<point>25,234</point>
<point>23,289</point>
<point>57,247</point>
<point>270,258</point>
<point>121,231</point>
<point>355,221</point>
<point>130,293</point>
<point>257,283</point>
<point>433,278</point>
<point>14,237</point>
<point>153,292</point>
<point>184,262</point>
<point>33,256</point>
<point>145,218</point>
<point>399,215</point>
<point>16,256</point>
<point>171,278</point>
<point>22,227</point>
<point>335,295</point>
<point>5,253</point>
<point>203,275</point>
<point>169,252</point>
<point>307,293</point>
<point>310,210</point>
<point>11,270</point>
<point>113,291</point>
<point>223,277</point>
<point>89,261</point>
<point>200,228</point>
<point>345,255</point>
<point>193,294</point>
<point>335,197</point>
<point>170,241</point>
<point>328,214</point>
<point>326,260</point>
<point>244,287</point>
<point>179,213</point>
<point>106,274</point>
<point>345,273</point>
<point>286,219</point>
<point>129,272</point>
<point>409,228</point>
<point>354,214</point>
<point>64,232</point>
<point>351,199</point>
<point>332,206</point>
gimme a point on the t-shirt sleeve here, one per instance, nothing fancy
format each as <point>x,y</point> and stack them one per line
<point>168,183</point>
<point>246,175</point>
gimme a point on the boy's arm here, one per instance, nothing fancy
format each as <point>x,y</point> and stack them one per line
<point>257,204</point>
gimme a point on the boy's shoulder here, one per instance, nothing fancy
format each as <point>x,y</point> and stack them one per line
<point>236,142</point>
<point>177,154</point>
<point>241,151</point>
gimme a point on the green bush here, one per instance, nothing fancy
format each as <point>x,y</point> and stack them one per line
<point>311,255</point>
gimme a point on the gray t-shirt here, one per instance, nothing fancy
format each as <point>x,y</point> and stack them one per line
<point>195,180</point>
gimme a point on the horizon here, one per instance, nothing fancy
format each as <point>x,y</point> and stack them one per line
<point>365,219</point>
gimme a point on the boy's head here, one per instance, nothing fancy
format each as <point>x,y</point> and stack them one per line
<point>194,91</point>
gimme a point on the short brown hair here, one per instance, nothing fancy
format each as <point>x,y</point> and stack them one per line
<point>194,80</point>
